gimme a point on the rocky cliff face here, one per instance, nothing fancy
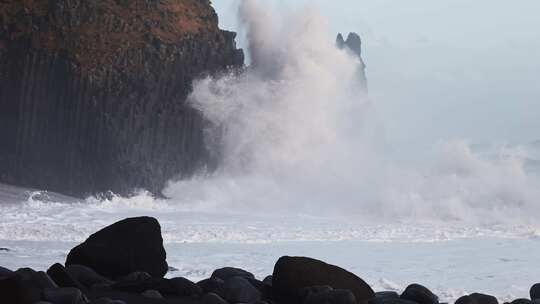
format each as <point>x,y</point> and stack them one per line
<point>93,93</point>
<point>354,45</point>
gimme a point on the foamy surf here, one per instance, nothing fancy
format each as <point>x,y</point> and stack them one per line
<point>306,170</point>
<point>73,220</point>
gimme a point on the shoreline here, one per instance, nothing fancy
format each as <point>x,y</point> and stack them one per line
<point>437,265</point>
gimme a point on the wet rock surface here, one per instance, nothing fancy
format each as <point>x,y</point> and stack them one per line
<point>292,274</point>
<point>419,294</point>
<point>295,280</point>
<point>133,244</point>
<point>226,273</point>
<point>535,291</point>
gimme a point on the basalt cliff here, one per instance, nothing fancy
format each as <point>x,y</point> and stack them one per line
<point>93,93</point>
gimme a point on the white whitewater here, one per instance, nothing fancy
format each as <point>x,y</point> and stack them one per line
<point>297,133</point>
<point>306,170</point>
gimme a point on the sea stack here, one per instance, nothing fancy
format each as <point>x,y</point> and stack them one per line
<point>353,44</point>
<point>93,93</point>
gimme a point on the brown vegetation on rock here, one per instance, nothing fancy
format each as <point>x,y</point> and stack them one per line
<point>93,93</point>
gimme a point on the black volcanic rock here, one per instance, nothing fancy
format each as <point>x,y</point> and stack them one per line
<point>239,290</point>
<point>387,294</point>
<point>152,294</point>
<point>178,287</point>
<point>337,296</point>
<point>62,278</point>
<point>87,276</point>
<point>306,292</point>
<point>93,93</point>
<point>14,291</point>
<point>268,281</point>
<point>210,285</point>
<point>130,245</point>
<point>388,297</point>
<point>419,294</point>
<point>477,298</point>
<point>292,274</point>
<point>354,45</point>
<point>480,298</point>
<point>535,291</point>
<point>521,301</point>
<point>4,272</point>
<point>64,295</point>
<point>465,300</point>
<point>212,298</point>
<point>229,272</point>
<point>390,301</point>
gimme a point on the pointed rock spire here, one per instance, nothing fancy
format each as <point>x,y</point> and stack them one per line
<point>354,45</point>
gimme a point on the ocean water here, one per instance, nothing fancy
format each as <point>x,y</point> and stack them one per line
<point>306,169</point>
<point>452,258</point>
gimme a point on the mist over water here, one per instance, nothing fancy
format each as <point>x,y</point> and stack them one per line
<point>295,133</point>
<point>304,156</point>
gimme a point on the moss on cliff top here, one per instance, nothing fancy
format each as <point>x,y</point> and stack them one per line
<point>94,33</point>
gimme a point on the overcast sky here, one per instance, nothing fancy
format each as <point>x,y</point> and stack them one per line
<point>445,69</point>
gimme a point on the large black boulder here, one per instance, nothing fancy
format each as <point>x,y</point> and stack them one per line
<point>152,294</point>
<point>229,272</point>
<point>477,298</point>
<point>291,274</point>
<point>4,272</point>
<point>390,300</point>
<point>535,291</point>
<point>480,298</point>
<point>465,300</point>
<point>16,290</point>
<point>179,287</point>
<point>87,276</point>
<point>133,244</point>
<point>107,301</point>
<point>306,292</point>
<point>24,285</point>
<point>419,294</point>
<point>263,288</point>
<point>212,298</point>
<point>268,281</point>
<point>336,296</point>
<point>388,297</point>
<point>387,294</point>
<point>43,280</point>
<point>239,290</point>
<point>65,295</point>
<point>62,278</point>
<point>210,285</point>
<point>27,274</point>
